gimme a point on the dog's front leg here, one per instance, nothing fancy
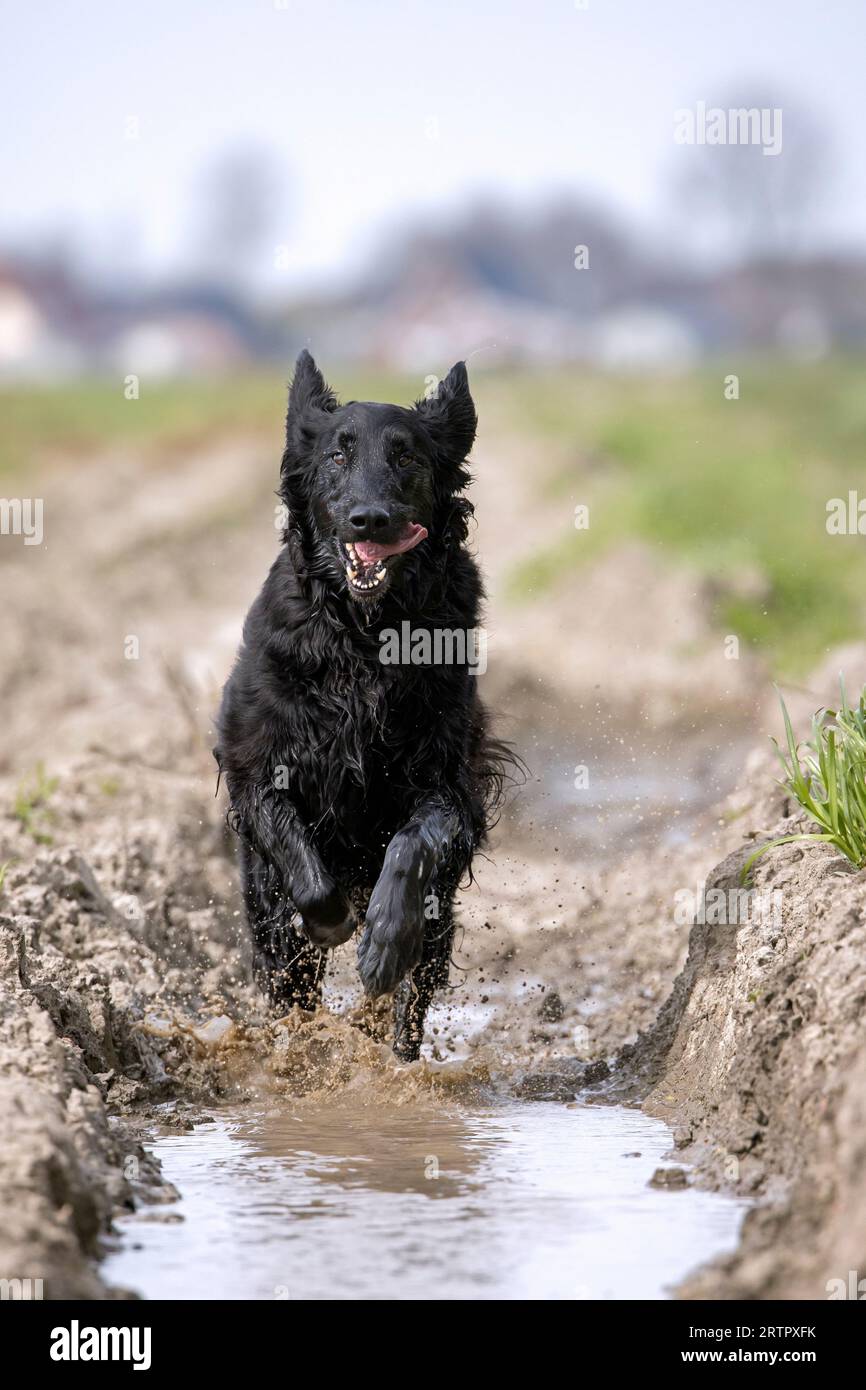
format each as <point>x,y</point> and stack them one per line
<point>275,829</point>
<point>394,933</point>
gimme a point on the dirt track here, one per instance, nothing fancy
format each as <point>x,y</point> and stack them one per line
<point>124,971</point>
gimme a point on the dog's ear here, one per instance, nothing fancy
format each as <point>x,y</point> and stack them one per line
<point>310,399</point>
<point>449,414</point>
<point>309,392</point>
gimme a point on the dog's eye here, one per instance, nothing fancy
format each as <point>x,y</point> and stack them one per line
<point>405,460</point>
<point>338,456</point>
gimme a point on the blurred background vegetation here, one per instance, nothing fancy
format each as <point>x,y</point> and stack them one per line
<point>736,488</point>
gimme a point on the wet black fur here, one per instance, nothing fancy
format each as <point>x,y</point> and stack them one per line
<point>359,789</point>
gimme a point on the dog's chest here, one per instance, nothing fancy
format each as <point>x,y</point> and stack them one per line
<point>369,744</point>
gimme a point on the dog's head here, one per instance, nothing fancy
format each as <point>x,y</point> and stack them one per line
<point>367,483</point>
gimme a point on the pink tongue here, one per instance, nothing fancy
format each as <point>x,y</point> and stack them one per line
<point>371,551</point>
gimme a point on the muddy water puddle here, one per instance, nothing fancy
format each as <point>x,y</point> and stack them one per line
<point>624,787</point>
<point>347,1199</point>
<point>355,1195</point>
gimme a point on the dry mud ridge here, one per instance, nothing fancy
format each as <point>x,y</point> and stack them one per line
<point>756,1062</point>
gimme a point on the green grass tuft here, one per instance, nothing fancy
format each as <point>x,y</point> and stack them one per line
<point>828,779</point>
<point>31,806</point>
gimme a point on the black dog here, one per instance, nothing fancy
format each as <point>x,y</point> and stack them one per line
<point>361,789</point>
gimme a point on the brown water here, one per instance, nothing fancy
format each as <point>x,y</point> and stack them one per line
<point>353,1199</point>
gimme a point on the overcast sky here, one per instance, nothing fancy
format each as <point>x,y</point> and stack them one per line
<point>376,110</point>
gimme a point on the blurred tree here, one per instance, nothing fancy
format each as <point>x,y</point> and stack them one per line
<point>746,205</point>
<point>527,254</point>
<point>239,217</point>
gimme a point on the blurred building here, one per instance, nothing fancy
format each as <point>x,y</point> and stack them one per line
<point>488,285</point>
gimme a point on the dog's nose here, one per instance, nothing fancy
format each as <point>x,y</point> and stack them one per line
<point>368,520</point>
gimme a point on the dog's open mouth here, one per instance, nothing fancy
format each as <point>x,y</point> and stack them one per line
<point>367,561</point>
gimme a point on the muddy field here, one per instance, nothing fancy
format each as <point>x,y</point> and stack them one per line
<point>125,1001</point>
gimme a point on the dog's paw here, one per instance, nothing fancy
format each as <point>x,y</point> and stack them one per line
<point>385,955</point>
<point>326,936</point>
<point>393,938</point>
<point>328,919</point>
<point>407,1049</point>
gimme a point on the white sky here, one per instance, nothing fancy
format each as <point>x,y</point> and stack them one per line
<point>530,96</point>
